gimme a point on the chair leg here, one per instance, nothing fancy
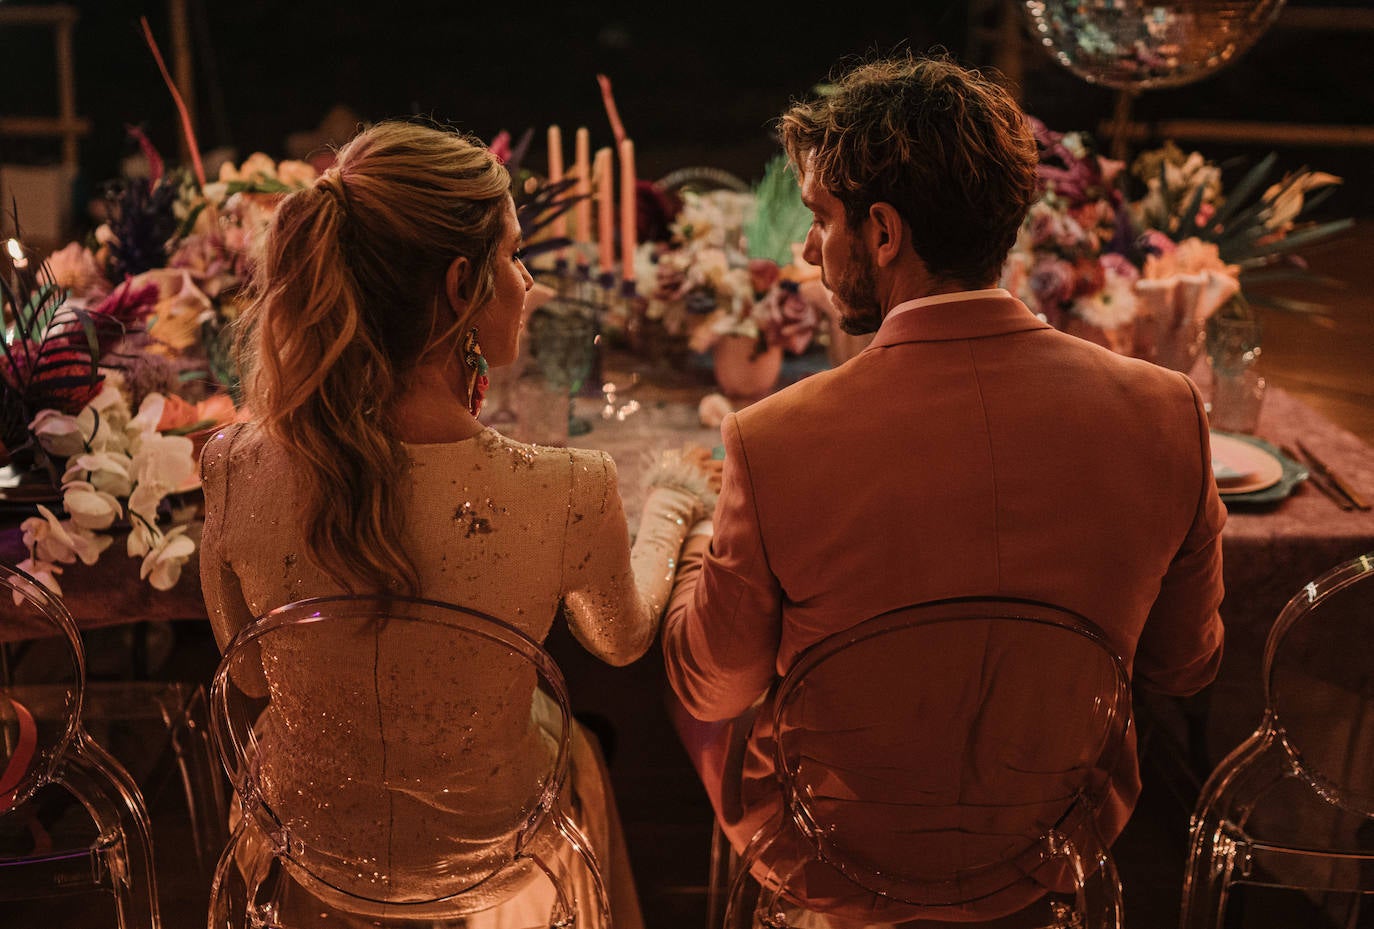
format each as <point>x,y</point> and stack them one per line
<point>228,889</point>
<point>1207,880</point>
<point>1101,888</point>
<point>583,849</point>
<point>116,806</point>
<point>200,775</point>
<point>738,913</point>
<point>721,870</point>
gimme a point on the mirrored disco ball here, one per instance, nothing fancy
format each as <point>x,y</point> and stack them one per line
<point>1136,44</point>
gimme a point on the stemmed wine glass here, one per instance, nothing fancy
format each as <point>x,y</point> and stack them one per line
<point>563,337</point>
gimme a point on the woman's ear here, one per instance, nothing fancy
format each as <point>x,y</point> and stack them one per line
<point>458,286</point>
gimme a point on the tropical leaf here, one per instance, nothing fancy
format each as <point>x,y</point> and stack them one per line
<point>1289,305</point>
<point>1281,275</point>
<point>259,185</point>
<point>1188,225</point>
<point>1241,193</point>
<point>1303,237</point>
<point>1317,199</point>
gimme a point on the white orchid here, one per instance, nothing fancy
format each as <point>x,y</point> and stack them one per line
<point>52,540</point>
<point>90,508</point>
<point>117,463</point>
<point>165,462</point>
<point>111,403</point>
<point>101,433</point>
<point>42,571</point>
<point>162,565</point>
<point>143,504</point>
<point>149,415</point>
<point>58,434</point>
<point>143,534</point>
<point>105,471</point>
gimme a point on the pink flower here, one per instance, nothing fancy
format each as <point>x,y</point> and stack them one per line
<point>763,274</point>
<point>76,269</point>
<point>500,146</point>
<point>1052,282</point>
<point>786,319</point>
<point>1119,267</point>
<point>129,303</point>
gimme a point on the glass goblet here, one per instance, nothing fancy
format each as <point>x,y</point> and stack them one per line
<point>563,345</point>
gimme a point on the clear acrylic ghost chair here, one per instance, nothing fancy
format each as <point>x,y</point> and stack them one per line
<point>1292,807</point>
<point>44,746</point>
<point>354,730</point>
<point>975,801</point>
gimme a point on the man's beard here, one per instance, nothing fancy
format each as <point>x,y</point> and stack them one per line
<point>856,294</point>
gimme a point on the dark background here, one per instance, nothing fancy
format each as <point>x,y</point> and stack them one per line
<point>698,83</point>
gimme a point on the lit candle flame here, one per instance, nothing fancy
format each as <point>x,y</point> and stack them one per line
<point>16,252</point>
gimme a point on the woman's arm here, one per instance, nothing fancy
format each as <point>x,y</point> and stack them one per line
<point>615,594</point>
<point>224,600</point>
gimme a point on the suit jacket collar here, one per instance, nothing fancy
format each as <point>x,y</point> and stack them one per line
<point>978,318</point>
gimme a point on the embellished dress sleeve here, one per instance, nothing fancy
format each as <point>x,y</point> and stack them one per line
<point>220,585</point>
<point>615,594</point>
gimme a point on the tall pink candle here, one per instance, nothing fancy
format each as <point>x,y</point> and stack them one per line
<point>605,212</point>
<point>628,233</point>
<point>582,167</point>
<point>558,227</point>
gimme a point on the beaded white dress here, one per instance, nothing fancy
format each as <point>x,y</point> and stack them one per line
<point>510,530</point>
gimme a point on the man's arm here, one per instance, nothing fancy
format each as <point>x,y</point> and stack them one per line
<point>720,635</point>
<point>1180,648</point>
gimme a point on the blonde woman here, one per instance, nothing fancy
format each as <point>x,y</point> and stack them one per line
<point>384,292</point>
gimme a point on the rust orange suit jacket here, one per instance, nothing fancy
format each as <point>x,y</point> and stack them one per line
<point>971,450</point>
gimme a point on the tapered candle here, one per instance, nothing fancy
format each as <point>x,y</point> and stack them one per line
<point>558,227</point>
<point>582,166</point>
<point>605,212</point>
<point>628,233</point>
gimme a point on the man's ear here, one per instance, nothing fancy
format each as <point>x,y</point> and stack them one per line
<point>887,233</point>
<point>458,285</point>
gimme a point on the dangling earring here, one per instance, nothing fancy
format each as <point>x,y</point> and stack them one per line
<point>477,376</point>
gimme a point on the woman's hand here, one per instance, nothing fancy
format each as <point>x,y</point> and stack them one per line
<point>700,457</point>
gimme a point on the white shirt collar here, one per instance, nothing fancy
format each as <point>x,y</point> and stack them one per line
<point>956,297</point>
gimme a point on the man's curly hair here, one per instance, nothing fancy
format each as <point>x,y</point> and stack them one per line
<point>949,149</point>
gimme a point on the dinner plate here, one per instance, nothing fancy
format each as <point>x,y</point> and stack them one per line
<point>24,488</point>
<point>1292,473</point>
<point>1243,467</point>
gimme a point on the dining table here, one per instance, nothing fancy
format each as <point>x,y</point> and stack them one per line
<point>640,410</point>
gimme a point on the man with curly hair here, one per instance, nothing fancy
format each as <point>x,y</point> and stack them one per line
<point>972,450</point>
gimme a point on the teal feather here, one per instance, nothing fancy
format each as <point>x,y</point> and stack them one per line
<point>780,218</point>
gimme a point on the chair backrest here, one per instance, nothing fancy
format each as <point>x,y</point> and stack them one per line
<point>929,754</point>
<point>1319,683</point>
<point>386,746</point>
<point>40,702</point>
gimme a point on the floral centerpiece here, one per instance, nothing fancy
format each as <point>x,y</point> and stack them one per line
<point>115,361</point>
<point>732,268</point>
<point>1143,276</point>
<point>67,427</point>
<point>194,244</point>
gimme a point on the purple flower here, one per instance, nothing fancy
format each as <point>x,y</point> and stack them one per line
<point>1052,281</point>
